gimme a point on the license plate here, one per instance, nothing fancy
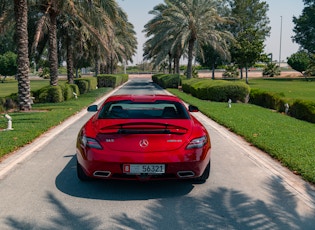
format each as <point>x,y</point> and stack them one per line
<point>144,168</point>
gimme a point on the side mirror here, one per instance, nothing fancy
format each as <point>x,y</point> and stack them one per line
<point>92,108</point>
<point>193,108</point>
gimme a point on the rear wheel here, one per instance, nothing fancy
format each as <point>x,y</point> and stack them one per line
<point>81,173</point>
<point>205,175</point>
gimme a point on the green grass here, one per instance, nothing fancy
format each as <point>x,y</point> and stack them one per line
<point>291,89</point>
<point>10,86</point>
<point>29,125</point>
<point>288,140</point>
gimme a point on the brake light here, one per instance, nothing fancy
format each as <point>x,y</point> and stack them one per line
<point>197,143</point>
<point>90,142</point>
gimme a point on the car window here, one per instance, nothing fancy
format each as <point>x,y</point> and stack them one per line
<point>137,110</point>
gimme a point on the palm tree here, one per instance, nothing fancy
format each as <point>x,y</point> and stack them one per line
<point>20,11</point>
<point>94,21</point>
<point>193,24</point>
<point>160,47</point>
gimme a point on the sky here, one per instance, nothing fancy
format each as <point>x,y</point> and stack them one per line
<point>280,14</point>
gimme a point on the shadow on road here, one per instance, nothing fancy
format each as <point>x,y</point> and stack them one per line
<point>67,182</point>
<point>173,206</point>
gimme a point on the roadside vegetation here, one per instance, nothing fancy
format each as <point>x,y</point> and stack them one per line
<point>287,139</point>
<point>29,125</point>
<point>290,88</point>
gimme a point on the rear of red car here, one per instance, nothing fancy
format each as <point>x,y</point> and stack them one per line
<point>143,137</point>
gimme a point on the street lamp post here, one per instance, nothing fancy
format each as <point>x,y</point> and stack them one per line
<point>280,41</point>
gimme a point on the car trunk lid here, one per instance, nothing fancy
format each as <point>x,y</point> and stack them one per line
<point>145,136</point>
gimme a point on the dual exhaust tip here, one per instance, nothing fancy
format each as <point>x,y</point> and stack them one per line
<point>102,173</point>
<point>181,174</point>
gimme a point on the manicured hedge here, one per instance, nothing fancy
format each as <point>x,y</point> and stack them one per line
<point>303,110</point>
<point>168,80</point>
<point>267,99</point>
<point>51,94</point>
<point>217,90</point>
<point>300,109</point>
<point>86,84</point>
<point>111,80</point>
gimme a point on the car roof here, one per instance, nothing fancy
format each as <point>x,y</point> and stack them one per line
<point>143,98</point>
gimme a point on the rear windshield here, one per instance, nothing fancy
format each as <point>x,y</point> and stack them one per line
<point>144,110</point>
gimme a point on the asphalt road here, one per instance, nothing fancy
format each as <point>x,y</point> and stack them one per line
<point>246,189</point>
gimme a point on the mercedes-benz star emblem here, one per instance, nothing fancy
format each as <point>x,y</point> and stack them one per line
<point>144,143</point>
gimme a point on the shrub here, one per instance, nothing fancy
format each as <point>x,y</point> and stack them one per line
<point>51,94</point>
<point>167,80</point>
<point>217,90</point>
<point>82,84</point>
<point>266,99</point>
<point>67,92</point>
<point>299,61</point>
<point>303,110</point>
<point>44,73</point>
<point>2,101</point>
<point>231,71</point>
<point>186,84</point>
<point>111,80</point>
<point>271,70</point>
<point>75,88</point>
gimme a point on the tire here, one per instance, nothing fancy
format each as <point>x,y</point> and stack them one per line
<point>205,175</point>
<point>81,173</point>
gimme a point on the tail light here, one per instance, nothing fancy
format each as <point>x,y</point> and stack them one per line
<point>197,143</point>
<point>90,142</point>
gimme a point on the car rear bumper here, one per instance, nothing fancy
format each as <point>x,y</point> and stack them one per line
<point>175,168</point>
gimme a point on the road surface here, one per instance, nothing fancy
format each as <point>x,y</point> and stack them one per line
<point>246,189</point>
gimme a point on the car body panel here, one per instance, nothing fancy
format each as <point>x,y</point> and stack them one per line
<point>108,141</point>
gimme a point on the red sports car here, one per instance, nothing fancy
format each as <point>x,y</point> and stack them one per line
<point>143,137</point>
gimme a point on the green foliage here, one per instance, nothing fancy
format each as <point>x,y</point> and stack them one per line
<point>303,110</point>
<point>231,71</point>
<point>271,70</point>
<point>310,71</point>
<point>299,61</point>
<point>217,90</point>
<point>75,89</point>
<point>86,84</point>
<point>111,80</point>
<point>194,72</point>
<point>83,85</point>
<point>168,80</point>
<point>8,66</point>
<point>44,72</point>
<point>248,49</point>
<point>210,58</point>
<point>67,92</point>
<point>267,99</point>
<point>250,30</point>
<point>289,140</point>
<point>304,28</point>
<point>51,94</point>
<point>28,126</point>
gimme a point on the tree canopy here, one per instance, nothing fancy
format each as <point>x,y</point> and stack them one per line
<point>305,26</point>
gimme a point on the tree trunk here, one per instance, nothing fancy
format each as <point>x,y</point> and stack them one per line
<point>190,58</point>
<point>53,52</point>
<point>70,67</point>
<point>177,65</point>
<point>213,71</point>
<point>24,89</point>
<point>169,63</point>
<point>246,74</point>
